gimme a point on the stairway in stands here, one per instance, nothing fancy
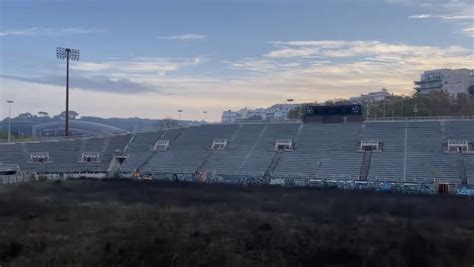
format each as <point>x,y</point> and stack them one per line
<point>253,148</point>
<point>365,166</point>
<point>130,142</point>
<point>298,133</point>
<point>203,167</point>
<point>26,154</point>
<point>235,133</point>
<point>462,169</point>
<point>273,165</point>
<point>154,151</point>
<point>105,145</point>
<point>444,137</point>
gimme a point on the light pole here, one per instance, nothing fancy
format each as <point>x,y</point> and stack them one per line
<point>204,115</point>
<point>179,114</point>
<point>10,102</point>
<point>289,101</point>
<point>68,54</point>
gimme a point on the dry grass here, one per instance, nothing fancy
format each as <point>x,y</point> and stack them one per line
<point>131,223</point>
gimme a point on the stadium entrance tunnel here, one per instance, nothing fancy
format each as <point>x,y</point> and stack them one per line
<point>370,145</point>
<point>161,145</point>
<point>458,146</point>
<point>40,157</point>
<point>90,157</point>
<point>218,144</point>
<point>284,145</point>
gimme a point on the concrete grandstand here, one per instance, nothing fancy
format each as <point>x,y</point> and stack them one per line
<point>427,152</point>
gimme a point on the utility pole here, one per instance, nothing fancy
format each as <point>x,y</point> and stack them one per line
<point>10,102</point>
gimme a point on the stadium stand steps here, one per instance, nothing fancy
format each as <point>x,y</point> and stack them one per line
<point>271,168</point>
<point>132,139</point>
<point>412,151</point>
<point>462,168</point>
<point>150,155</point>
<point>252,149</point>
<point>365,166</point>
<point>189,150</point>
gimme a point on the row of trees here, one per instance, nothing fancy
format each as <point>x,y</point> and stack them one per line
<point>435,104</point>
<point>44,116</point>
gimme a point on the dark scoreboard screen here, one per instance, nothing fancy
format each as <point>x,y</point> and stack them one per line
<point>342,110</point>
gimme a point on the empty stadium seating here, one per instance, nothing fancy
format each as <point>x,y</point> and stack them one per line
<point>411,151</point>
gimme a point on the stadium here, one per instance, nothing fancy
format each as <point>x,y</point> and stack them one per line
<point>332,146</point>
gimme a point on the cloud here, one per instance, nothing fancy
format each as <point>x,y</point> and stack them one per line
<point>333,68</point>
<point>139,65</point>
<point>183,37</point>
<point>38,31</point>
<point>305,70</point>
<point>345,49</point>
<point>134,76</point>
<point>469,31</point>
<point>421,16</point>
<point>93,83</point>
<point>459,12</point>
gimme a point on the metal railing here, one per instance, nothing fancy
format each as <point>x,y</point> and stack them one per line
<point>420,118</point>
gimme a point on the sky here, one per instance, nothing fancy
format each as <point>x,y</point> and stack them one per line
<point>150,58</point>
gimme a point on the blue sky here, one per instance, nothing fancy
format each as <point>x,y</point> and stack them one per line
<point>150,58</point>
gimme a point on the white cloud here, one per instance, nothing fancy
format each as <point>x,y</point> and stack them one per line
<point>138,65</point>
<point>183,37</point>
<point>459,12</point>
<point>345,68</point>
<point>157,87</point>
<point>289,53</point>
<point>38,31</point>
<point>469,31</point>
<point>421,16</point>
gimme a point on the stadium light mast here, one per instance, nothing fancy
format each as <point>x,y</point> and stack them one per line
<point>179,114</point>
<point>10,102</point>
<point>68,54</point>
<point>204,115</point>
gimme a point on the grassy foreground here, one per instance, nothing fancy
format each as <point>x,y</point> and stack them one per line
<point>144,223</point>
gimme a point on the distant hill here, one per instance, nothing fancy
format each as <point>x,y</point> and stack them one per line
<point>22,124</point>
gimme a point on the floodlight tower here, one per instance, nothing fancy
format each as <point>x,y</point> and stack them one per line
<point>179,112</point>
<point>68,54</point>
<point>204,115</point>
<point>10,102</point>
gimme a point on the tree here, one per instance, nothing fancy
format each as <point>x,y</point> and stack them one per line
<point>471,90</point>
<point>25,116</point>
<point>72,115</point>
<point>43,114</point>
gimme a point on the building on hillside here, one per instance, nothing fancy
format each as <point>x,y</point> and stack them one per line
<point>451,81</point>
<point>371,97</point>
<point>277,112</point>
<point>229,116</point>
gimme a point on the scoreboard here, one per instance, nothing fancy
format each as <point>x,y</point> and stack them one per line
<point>333,114</point>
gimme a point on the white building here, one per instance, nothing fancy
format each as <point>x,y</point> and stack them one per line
<point>451,81</point>
<point>229,116</point>
<point>278,112</point>
<point>371,97</point>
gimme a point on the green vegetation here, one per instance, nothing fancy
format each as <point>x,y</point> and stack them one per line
<point>147,223</point>
<point>471,90</point>
<point>434,104</point>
